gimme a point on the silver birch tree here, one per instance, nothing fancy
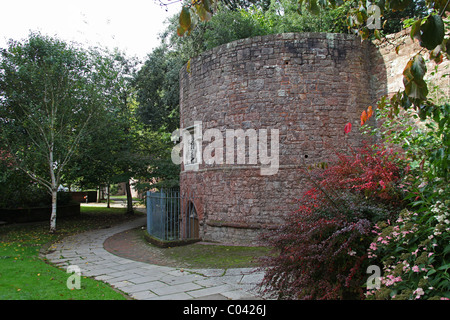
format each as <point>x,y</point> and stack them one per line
<point>48,95</point>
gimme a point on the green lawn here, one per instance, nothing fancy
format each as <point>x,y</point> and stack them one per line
<point>124,198</point>
<point>23,275</point>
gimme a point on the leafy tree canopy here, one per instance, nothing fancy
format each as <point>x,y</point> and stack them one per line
<point>368,19</point>
<point>49,92</point>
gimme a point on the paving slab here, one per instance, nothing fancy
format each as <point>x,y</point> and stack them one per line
<point>177,288</point>
<point>143,295</point>
<point>175,296</point>
<point>216,296</point>
<point>239,295</point>
<point>145,281</point>
<point>210,291</point>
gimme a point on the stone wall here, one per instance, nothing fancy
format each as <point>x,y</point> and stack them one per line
<point>391,64</point>
<point>307,86</point>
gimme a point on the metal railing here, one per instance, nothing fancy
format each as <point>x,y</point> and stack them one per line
<point>171,215</point>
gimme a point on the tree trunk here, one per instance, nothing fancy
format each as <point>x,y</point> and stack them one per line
<point>54,191</point>
<point>54,206</point>
<point>129,198</point>
<point>108,195</point>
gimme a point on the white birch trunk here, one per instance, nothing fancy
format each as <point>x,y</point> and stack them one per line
<point>54,191</point>
<point>54,206</point>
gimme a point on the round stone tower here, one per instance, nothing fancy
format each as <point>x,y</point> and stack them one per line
<point>254,114</point>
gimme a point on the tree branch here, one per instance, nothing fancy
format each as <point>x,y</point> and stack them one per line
<point>74,144</point>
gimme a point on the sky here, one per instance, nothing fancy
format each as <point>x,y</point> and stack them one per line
<point>130,25</point>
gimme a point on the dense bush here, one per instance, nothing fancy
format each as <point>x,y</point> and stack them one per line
<point>321,251</point>
<point>324,249</point>
<point>17,190</point>
<point>414,250</point>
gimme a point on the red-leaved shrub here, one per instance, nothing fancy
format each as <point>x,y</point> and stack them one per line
<point>320,252</point>
<point>372,170</point>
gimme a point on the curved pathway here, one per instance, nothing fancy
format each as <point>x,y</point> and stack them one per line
<point>145,281</point>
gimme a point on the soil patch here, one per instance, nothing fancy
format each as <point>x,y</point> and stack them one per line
<point>130,244</point>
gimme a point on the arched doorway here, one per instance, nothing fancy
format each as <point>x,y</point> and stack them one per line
<point>192,227</point>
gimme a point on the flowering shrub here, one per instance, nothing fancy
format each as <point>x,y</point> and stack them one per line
<point>322,248</point>
<point>5,158</point>
<point>415,252</point>
<point>414,249</point>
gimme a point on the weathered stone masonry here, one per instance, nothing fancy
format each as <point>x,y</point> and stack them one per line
<point>308,86</point>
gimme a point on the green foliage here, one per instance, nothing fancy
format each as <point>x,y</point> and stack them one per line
<point>394,21</point>
<point>255,20</point>
<point>68,114</point>
<point>429,31</point>
<point>280,17</point>
<point>101,150</point>
<point>157,86</point>
<point>415,86</point>
<point>426,19</point>
<point>322,246</point>
<point>415,254</point>
<point>17,191</point>
<point>426,141</point>
<point>244,4</point>
<point>48,95</point>
<point>157,97</point>
<point>163,173</point>
<point>414,249</point>
<point>242,24</point>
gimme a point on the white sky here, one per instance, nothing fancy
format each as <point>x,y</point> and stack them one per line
<point>130,25</point>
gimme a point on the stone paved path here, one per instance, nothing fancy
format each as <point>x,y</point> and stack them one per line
<point>147,281</point>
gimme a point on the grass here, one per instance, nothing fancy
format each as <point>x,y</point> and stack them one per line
<point>25,276</point>
<point>124,197</point>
